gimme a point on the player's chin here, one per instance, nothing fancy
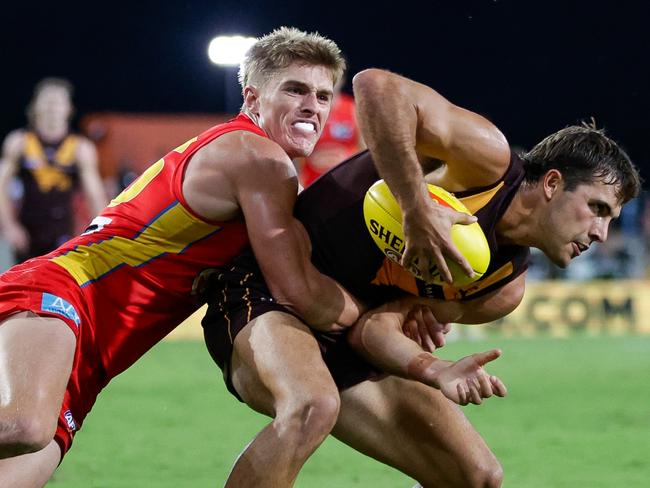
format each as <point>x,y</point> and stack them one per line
<point>562,260</point>
<point>302,149</point>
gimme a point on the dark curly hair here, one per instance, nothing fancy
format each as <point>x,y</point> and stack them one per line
<point>583,154</point>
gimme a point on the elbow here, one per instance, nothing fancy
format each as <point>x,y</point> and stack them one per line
<point>509,299</point>
<point>513,298</point>
<point>295,298</point>
<point>302,301</point>
<point>369,81</point>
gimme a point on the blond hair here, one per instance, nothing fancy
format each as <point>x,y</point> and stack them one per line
<point>284,46</point>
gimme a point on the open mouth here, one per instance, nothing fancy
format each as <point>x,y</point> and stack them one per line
<point>579,248</point>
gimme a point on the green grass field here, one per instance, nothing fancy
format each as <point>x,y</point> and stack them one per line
<point>578,415</point>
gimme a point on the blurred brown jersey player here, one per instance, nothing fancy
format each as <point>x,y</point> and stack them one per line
<point>51,163</point>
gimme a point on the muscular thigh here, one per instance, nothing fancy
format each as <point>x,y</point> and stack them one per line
<point>411,427</point>
<point>276,359</point>
<point>36,355</point>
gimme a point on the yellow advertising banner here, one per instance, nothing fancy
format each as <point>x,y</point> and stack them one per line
<point>561,308</point>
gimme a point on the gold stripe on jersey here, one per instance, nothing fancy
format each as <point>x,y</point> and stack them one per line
<point>49,176</point>
<point>65,155</point>
<point>391,273</point>
<point>67,152</point>
<point>33,148</point>
<point>476,202</point>
<point>134,189</point>
<point>453,293</point>
<point>171,232</point>
<point>181,149</point>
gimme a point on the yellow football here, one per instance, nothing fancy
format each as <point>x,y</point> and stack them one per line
<point>383,218</point>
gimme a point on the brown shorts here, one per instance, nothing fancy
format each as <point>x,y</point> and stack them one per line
<point>238,294</point>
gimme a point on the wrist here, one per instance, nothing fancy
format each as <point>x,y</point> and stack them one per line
<point>424,368</point>
<point>415,203</point>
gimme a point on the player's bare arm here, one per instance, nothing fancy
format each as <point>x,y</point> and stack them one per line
<point>262,183</point>
<point>405,123</point>
<point>90,178</point>
<point>12,229</point>
<point>378,337</point>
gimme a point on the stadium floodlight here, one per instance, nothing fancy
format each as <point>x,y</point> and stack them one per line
<point>229,50</point>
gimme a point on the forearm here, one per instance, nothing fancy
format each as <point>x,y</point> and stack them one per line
<point>94,191</point>
<point>379,334</point>
<point>7,214</point>
<point>97,201</point>
<point>388,118</point>
<point>378,337</point>
<point>294,281</point>
<point>324,304</point>
<point>91,180</point>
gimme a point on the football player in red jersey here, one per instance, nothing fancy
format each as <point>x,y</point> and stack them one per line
<point>73,319</point>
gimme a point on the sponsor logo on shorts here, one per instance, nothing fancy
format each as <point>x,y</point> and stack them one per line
<point>54,304</point>
<point>72,425</point>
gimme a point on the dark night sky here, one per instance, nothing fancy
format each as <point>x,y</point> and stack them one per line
<point>530,66</point>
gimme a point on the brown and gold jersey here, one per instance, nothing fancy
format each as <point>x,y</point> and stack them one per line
<point>49,174</point>
<point>332,212</point>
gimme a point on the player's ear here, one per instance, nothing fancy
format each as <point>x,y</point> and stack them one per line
<point>552,181</point>
<point>252,99</point>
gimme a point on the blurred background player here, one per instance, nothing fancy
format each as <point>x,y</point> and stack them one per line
<point>51,163</point>
<point>341,139</point>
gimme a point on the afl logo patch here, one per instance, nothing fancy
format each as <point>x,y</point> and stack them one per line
<point>69,419</point>
<point>52,303</point>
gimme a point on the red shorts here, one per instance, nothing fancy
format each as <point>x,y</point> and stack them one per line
<point>112,324</point>
<point>47,290</point>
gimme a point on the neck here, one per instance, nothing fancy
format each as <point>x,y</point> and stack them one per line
<point>251,116</point>
<point>518,225</point>
<point>51,132</point>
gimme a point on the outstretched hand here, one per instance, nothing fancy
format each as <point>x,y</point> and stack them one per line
<point>427,232</point>
<point>465,381</point>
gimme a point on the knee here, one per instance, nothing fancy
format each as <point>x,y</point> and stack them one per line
<point>311,415</point>
<point>486,475</point>
<point>24,435</point>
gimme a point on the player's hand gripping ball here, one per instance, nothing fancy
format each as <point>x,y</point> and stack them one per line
<point>383,217</point>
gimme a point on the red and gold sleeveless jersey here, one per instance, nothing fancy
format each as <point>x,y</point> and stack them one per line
<point>138,260</point>
<point>128,280</point>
